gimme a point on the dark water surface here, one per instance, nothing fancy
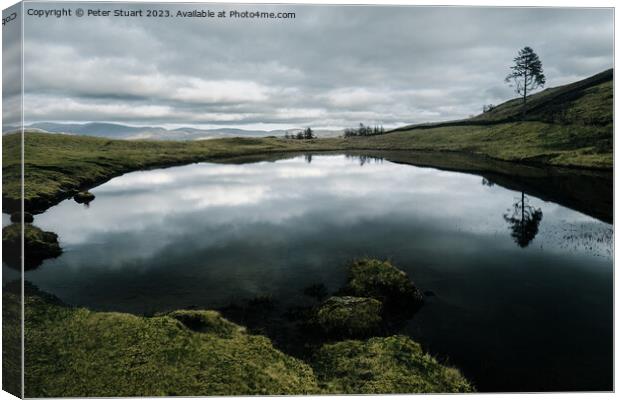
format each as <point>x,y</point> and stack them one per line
<point>519,298</point>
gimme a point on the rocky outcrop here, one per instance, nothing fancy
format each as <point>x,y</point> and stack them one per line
<point>16,217</point>
<point>84,197</point>
<point>38,246</point>
<point>382,281</point>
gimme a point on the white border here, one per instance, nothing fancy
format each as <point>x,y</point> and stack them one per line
<point>488,3</point>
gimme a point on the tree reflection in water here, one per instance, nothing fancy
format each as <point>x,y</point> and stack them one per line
<point>524,220</point>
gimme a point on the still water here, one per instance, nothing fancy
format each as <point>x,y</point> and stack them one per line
<point>516,306</point>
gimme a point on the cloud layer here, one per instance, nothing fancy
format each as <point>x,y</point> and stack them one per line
<point>331,66</point>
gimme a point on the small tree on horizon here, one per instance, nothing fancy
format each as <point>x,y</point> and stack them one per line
<point>527,73</point>
<point>308,133</point>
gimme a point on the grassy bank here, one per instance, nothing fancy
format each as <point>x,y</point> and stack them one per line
<point>78,352</point>
<point>529,142</point>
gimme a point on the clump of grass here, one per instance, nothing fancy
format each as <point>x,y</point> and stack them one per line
<point>394,364</point>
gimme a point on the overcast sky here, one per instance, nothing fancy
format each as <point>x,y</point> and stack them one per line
<point>330,67</point>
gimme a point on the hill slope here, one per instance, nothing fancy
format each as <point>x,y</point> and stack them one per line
<point>586,102</point>
<point>569,125</point>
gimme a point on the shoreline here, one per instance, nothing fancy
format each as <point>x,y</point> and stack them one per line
<point>58,180</point>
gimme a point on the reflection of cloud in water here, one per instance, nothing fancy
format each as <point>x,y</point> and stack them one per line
<point>219,195</point>
<point>166,204</point>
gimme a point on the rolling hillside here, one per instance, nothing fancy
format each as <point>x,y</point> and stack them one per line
<point>569,125</point>
<point>586,102</point>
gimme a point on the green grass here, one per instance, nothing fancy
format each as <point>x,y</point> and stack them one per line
<point>526,141</point>
<point>394,364</point>
<point>11,339</point>
<point>75,352</point>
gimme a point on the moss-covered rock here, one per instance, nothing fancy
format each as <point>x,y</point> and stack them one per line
<point>16,217</point>
<point>75,352</point>
<point>84,197</point>
<point>382,281</point>
<point>349,317</point>
<point>394,364</point>
<point>39,245</point>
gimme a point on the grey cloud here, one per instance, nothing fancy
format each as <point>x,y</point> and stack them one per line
<point>331,66</point>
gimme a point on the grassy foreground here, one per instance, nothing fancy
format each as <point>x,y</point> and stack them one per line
<point>77,352</point>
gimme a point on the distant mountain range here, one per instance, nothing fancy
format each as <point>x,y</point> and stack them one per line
<point>118,131</point>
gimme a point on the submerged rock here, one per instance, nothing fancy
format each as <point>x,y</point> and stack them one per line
<point>381,365</point>
<point>16,217</point>
<point>84,197</point>
<point>38,246</point>
<point>349,317</point>
<point>384,282</point>
<point>317,291</point>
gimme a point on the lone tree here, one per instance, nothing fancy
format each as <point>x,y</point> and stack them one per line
<point>308,133</point>
<point>527,73</point>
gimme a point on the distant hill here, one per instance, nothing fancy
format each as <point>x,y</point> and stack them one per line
<point>97,129</point>
<point>119,131</point>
